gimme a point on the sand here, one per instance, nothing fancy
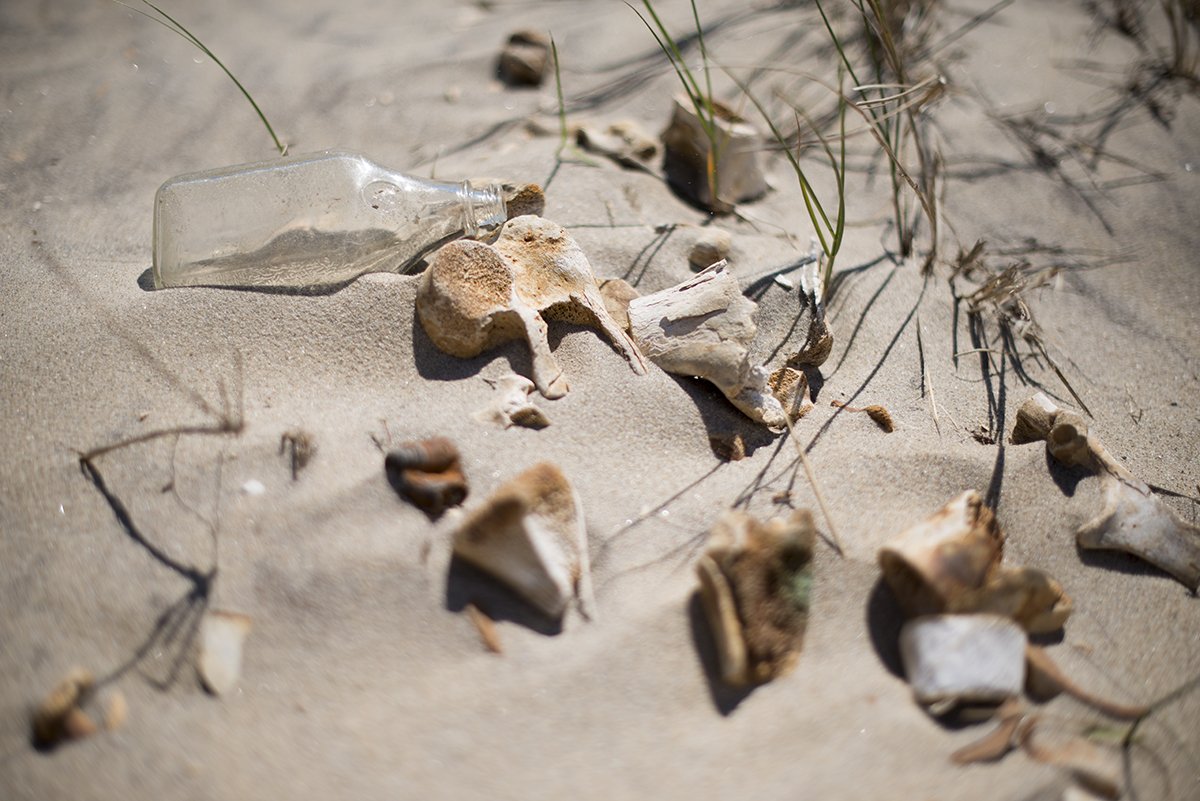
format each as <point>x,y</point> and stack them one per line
<point>363,676</point>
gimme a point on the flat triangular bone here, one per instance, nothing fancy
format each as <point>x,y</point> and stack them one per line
<point>530,534</point>
<point>1133,519</point>
<point>553,276</point>
<point>704,327</point>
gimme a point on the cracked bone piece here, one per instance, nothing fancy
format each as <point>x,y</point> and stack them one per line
<point>1132,519</point>
<point>963,659</point>
<point>553,276</point>
<point>950,562</point>
<point>944,556</point>
<point>530,535</point>
<point>1030,597</point>
<point>467,303</point>
<point>221,637</point>
<point>755,583</point>
<point>475,296</point>
<point>704,327</point>
<point>511,405</point>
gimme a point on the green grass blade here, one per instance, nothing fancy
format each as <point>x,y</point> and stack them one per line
<point>562,109</point>
<point>178,28</point>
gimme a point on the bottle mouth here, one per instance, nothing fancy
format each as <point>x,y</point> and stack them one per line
<point>484,208</point>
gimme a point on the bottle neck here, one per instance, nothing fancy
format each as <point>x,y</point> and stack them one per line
<point>483,207</point>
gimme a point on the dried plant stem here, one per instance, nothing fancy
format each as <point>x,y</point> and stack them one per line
<point>926,379</point>
<point>834,539</point>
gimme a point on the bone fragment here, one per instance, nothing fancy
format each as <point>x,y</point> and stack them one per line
<point>950,562</point>
<point>475,296</point>
<point>1132,518</point>
<point>755,584</point>
<point>690,158</point>
<point>625,142</point>
<point>530,535</point>
<point>221,637</point>
<point>704,327</point>
<point>511,405</point>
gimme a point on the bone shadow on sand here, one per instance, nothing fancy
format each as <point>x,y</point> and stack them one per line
<point>467,584</point>
<point>434,365</point>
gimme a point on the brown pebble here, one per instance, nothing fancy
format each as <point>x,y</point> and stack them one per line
<point>116,712</point>
<point>58,716</point>
<point>879,414</point>
<point>428,474</point>
<point>523,60</point>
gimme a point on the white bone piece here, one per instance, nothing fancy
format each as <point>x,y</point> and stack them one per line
<point>1132,519</point>
<point>553,276</point>
<point>511,405</point>
<point>704,327</point>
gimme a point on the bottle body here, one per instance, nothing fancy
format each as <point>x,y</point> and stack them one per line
<point>308,221</point>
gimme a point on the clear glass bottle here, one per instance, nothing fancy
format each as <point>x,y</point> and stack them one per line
<point>309,221</point>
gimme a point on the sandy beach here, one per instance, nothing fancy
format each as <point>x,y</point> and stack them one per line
<point>363,675</point>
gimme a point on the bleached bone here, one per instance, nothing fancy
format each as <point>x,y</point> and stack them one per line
<point>704,327</point>
<point>1132,519</point>
<point>530,534</point>
<point>950,562</point>
<point>955,659</point>
<point>553,276</point>
<point>755,583</point>
<point>475,296</point>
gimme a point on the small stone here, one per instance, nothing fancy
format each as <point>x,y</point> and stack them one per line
<point>221,638</point>
<point>58,717</point>
<point>523,60</point>
<point>710,247</point>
